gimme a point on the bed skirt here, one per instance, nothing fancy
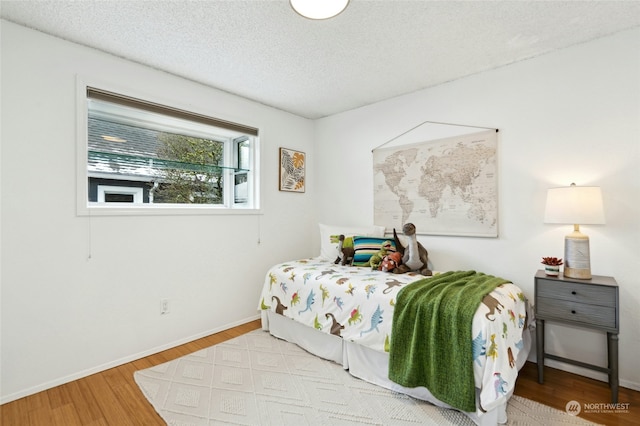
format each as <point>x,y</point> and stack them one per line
<point>370,365</point>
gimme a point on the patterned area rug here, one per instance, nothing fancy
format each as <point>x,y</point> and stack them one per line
<point>256,379</point>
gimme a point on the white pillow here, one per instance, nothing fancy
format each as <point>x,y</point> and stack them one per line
<point>329,250</point>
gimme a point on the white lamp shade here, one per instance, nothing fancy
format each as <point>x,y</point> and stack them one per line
<point>578,205</point>
<point>319,9</point>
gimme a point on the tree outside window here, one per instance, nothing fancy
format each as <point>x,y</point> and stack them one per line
<point>194,174</point>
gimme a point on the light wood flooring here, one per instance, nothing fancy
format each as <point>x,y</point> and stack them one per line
<point>112,397</point>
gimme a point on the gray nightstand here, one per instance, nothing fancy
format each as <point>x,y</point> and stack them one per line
<point>590,304</point>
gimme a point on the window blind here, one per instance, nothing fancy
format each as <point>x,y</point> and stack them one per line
<point>103,95</point>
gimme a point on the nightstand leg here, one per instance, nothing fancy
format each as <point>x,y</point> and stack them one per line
<point>612,350</point>
<point>540,349</point>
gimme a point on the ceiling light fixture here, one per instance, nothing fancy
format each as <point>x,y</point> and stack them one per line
<point>319,9</point>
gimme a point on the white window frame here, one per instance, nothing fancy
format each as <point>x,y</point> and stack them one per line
<point>104,190</point>
<point>86,208</point>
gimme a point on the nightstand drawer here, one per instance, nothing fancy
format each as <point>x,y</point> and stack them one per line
<point>568,311</point>
<point>578,292</point>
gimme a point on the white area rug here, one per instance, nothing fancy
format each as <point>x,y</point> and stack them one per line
<point>256,379</point>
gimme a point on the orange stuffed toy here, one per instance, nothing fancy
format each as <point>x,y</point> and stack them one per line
<point>390,262</point>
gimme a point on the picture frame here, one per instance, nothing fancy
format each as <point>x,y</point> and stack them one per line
<point>292,176</point>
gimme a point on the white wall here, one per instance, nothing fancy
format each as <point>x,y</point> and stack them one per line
<point>569,116</point>
<point>65,315</point>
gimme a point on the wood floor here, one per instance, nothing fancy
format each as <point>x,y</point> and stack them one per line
<point>112,397</point>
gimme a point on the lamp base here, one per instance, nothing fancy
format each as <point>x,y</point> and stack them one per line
<point>579,274</point>
<point>577,261</point>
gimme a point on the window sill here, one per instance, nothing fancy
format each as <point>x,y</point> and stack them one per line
<point>156,210</point>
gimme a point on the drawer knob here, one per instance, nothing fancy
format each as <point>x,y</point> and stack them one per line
<point>574,293</point>
<point>573,312</point>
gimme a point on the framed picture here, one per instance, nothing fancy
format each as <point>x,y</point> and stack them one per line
<point>292,170</point>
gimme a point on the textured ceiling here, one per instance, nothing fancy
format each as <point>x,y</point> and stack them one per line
<point>374,50</point>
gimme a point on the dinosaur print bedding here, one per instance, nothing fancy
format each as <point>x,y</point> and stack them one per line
<point>357,304</point>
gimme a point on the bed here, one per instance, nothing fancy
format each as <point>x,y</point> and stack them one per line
<point>358,317</point>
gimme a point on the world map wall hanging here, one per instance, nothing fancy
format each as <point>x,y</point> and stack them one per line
<point>444,187</point>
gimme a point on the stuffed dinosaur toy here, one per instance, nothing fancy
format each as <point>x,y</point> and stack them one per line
<point>414,256</point>
<point>346,252</point>
<point>391,262</point>
<point>376,259</point>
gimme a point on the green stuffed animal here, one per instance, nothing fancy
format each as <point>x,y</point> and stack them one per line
<point>376,259</point>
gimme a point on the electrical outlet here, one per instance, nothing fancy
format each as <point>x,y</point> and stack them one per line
<point>164,306</point>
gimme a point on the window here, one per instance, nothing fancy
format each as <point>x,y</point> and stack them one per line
<point>119,194</point>
<point>142,156</point>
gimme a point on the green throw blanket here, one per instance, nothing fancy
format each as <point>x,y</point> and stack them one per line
<point>431,335</point>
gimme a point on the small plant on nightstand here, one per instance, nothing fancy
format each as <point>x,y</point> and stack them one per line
<point>551,266</point>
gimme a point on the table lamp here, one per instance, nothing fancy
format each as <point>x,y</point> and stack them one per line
<point>575,205</point>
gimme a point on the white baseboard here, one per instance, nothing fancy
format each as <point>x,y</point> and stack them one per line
<point>97,369</point>
<point>592,374</point>
<point>570,368</point>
